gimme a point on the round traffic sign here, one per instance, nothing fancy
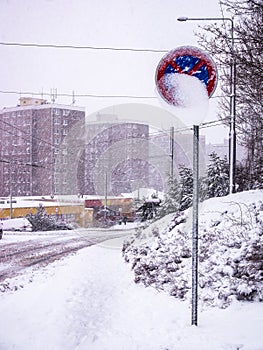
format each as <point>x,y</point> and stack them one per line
<point>185,60</point>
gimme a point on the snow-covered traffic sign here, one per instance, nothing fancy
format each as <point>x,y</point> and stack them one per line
<point>187,60</point>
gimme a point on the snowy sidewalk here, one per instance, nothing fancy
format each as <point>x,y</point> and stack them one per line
<point>89,302</point>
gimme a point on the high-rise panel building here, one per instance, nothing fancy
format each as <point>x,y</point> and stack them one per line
<point>32,143</point>
<point>178,148</point>
<point>116,157</point>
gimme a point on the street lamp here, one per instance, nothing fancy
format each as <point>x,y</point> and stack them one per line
<point>10,188</point>
<point>232,132</point>
<point>106,196</point>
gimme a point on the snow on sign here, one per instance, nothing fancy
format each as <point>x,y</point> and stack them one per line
<point>187,60</point>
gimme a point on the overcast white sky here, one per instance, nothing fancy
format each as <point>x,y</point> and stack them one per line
<point>143,24</point>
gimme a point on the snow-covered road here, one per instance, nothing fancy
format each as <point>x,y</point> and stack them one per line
<point>21,252</point>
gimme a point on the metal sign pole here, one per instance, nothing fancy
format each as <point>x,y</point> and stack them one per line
<point>196,63</point>
<point>195,225</point>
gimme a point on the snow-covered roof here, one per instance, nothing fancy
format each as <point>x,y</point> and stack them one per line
<point>43,106</point>
<point>31,202</point>
<point>122,196</point>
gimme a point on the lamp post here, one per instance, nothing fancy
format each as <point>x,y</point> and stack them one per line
<point>106,196</point>
<point>10,188</point>
<point>232,131</point>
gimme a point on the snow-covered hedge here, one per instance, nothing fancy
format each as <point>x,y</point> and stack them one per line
<point>230,251</point>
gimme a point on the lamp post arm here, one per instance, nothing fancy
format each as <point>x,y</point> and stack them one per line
<point>232,132</point>
<point>184,19</point>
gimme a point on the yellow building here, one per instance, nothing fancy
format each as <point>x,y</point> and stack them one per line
<point>70,212</point>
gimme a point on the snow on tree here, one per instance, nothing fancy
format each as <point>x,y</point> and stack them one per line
<point>179,195</point>
<point>230,252</point>
<point>41,221</point>
<point>247,56</point>
<point>180,192</point>
<point>185,187</point>
<point>148,210</point>
<point>217,179</point>
<point>171,202</point>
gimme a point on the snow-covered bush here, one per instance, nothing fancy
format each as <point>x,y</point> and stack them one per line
<point>41,221</point>
<point>171,202</point>
<point>230,252</point>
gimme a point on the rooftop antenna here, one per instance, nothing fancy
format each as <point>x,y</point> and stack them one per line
<point>54,94</point>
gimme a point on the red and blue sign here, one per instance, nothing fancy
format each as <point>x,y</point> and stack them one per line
<point>185,60</point>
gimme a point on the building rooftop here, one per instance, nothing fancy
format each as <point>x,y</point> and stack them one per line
<point>28,106</point>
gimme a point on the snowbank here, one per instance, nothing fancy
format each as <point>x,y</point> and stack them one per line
<point>90,302</point>
<point>230,251</point>
<point>17,224</point>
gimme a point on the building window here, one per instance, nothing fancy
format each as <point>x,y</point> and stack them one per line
<point>56,120</point>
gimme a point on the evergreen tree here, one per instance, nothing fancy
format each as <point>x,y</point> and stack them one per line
<point>203,189</point>
<point>242,178</point>
<point>170,203</point>
<point>247,56</point>
<point>185,187</point>
<point>217,179</point>
<point>41,221</point>
<point>137,203</point>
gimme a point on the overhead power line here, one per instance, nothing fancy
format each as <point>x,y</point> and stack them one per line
<point>27,134</point>
<point>31,93</point>
<point>75,95</point>
<point>80,47</point>
<point>15,161</point>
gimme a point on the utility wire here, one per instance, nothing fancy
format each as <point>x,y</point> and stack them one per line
<point>88,47</point>
<point>22,163</point>
<point>27,134</point>
<point>202,125</point>
<point>84,95</point>
<point>75,95</point>
<point>79,47</point>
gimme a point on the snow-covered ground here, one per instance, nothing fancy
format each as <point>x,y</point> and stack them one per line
<point>89,301</point>
<point>230,251</point>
